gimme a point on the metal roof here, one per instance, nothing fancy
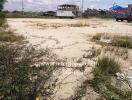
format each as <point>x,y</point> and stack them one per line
<point>117,7</point>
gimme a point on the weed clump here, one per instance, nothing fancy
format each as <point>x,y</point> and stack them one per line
<point>104,73</point>
<point>80,91</point>
<point>9,37</point>
<point>120,41</point>
<point>108,66</point>
<point>2,20</point>
<point>97,37</point>
<point>79,24</point>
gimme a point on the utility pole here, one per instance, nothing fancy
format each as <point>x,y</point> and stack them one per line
<point>82,8</point>
<point>22,8</point>
<point>114,4</point>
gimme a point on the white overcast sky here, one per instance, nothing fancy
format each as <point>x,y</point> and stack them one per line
<point>44,5</point>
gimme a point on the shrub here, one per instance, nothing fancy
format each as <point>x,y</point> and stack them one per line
<point>1,4</point>
<point>102,82</point>
<point>2,20</point>
<point>98,77</point>
<point>19,79</point>
<point>108,66</point>
<point>10,37</point>
<point>97,37</point>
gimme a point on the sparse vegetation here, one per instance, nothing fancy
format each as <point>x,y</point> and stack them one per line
<point>104,72</point>
<point>120,41</point>
<point>79,24</point>
<point>27,72</point>
<point>108,66</point>
<point>58,25</point>
<point>21,76</point>
<point>119,52</point>
<point>93,52</point>
<point>97,37</point>
<point>6,36</point>
<point>100,36</point>
<point>9,37</point>
<point>80,91</point>
<point>2,15</point>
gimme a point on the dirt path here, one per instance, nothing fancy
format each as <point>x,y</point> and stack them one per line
<point>68,38</point>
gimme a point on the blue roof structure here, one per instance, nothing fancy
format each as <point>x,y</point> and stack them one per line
<point>117,7</point>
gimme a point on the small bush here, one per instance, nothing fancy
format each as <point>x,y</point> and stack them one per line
<point>97,37</point>
<point>10,37</point>
<point>108,66</point>
<point>2,20</point>
<point>93,52</point>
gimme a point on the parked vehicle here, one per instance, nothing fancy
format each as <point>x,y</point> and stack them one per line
<point>67,11</point>
<point>122,13</point>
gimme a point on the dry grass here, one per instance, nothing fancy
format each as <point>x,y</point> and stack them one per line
<point>104,72</point>
<point>97,36</point>
<point>80,92</point>
<point>117,52</point>
<point>9,37</point>
<point>92,53</point>
<point>120,41</point>
<point>79,24</point>
<point>58,25</point>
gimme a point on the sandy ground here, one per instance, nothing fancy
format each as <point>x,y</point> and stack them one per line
<point>68,40</point>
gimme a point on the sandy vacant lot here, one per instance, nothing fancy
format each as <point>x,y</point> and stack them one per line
<point>59,35</point>
<point>68,38</point>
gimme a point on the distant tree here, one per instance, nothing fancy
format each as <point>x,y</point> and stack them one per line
<point>1,4</point>
<point>96,13</point>
<point>16,11</point>
<point>6,11</point>
<point>102,12</point>
<point>2,15</point>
